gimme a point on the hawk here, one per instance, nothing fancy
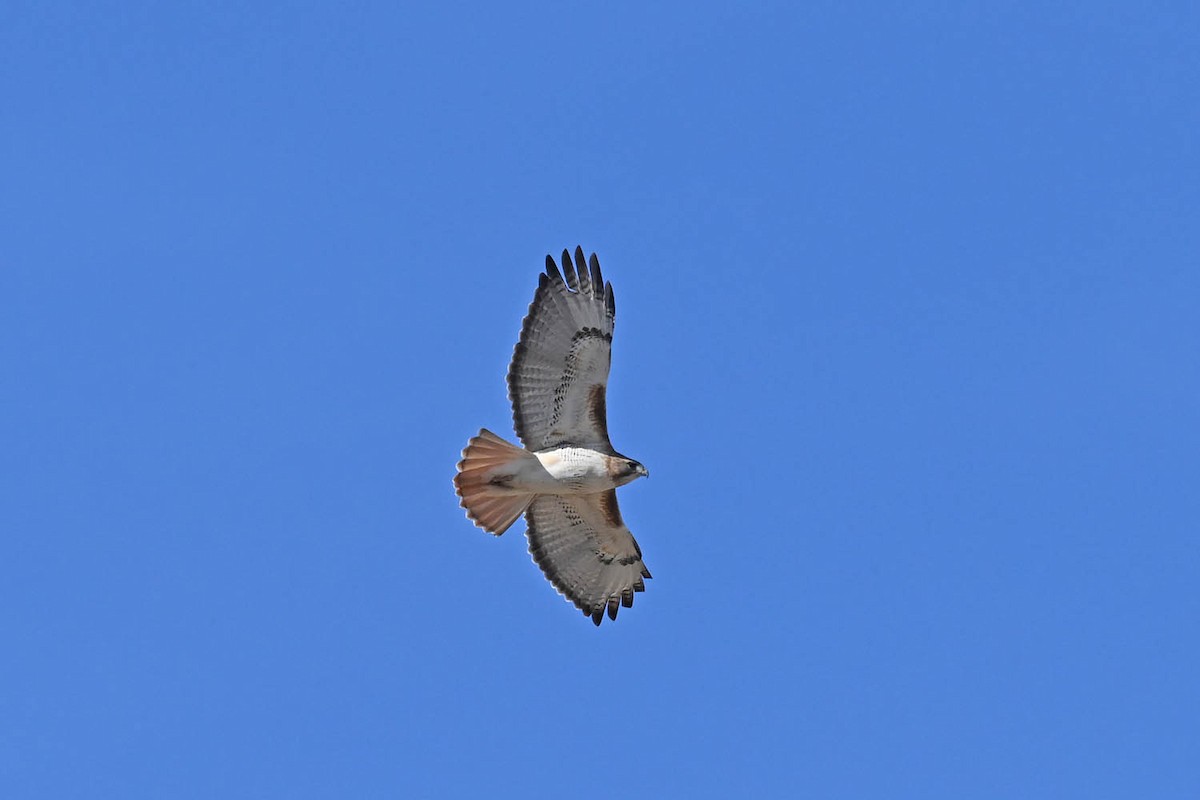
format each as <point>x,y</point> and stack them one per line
<point>565,478</point>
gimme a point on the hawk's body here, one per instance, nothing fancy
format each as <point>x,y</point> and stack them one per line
<point>564,481</point>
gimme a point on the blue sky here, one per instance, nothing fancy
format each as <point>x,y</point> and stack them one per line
<point>907,336</point>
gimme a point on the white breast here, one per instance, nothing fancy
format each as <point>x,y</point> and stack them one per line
<point>577,469</point>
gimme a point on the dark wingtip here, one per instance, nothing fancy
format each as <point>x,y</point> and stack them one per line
<point>613,605</point>
<point>581,268</point>
<point>597,615</point>
<point>610,301</point>
<point>552,268</point>
<point>646,572</point>
<point>597,279</point>
<point>569,271</point>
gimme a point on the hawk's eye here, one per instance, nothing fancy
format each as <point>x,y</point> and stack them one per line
<point>631,466</point>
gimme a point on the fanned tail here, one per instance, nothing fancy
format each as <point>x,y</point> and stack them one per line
<point>480,482</point>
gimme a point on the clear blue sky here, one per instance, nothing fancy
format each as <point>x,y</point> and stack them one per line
<point>908,336</point>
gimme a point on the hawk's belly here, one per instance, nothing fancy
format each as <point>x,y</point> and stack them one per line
<point>572,470</point>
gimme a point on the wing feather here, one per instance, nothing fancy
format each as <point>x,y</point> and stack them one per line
<point>585,279</point>
<point>569,271</point>
<point>558,378</point>
<point>584,549</point>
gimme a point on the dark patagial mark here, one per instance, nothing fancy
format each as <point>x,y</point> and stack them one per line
<point>608,507</point>
<point>598,412</point>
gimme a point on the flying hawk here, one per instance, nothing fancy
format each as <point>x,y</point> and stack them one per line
<point>564,480</point>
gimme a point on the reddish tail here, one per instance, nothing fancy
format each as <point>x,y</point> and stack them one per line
<point>490,504</point>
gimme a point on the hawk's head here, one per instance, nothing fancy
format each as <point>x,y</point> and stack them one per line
<point>628,470</point>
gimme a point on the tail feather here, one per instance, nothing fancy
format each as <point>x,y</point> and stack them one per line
<point>489,504</point>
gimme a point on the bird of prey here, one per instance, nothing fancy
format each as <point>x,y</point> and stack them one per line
<point>564,480</point>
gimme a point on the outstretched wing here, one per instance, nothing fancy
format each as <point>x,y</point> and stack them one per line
<point>558,377</point>
<point>585,550</point>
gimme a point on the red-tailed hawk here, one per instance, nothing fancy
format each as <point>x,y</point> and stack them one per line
<point>564,481</point>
